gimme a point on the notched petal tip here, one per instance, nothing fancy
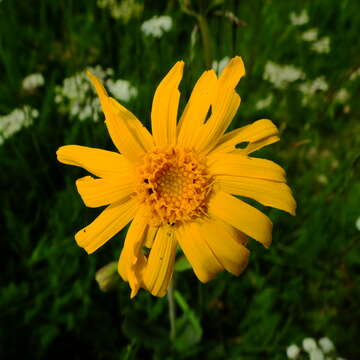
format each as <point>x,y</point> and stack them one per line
<point>235,69</point>
<point>238,62</point>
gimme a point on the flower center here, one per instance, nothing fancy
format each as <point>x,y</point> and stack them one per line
<point>174,185</point>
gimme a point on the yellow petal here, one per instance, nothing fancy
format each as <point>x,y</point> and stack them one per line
<point>197,251</point>
<point>268,193</point>
<point>126,131</point>
<point>106,225</point>
<point>125,123</point>
<point>231,254</point>
<point>196,109</point>
<point>240,165</point>
<point>257,134</point>
<point>132,260</point>
<point>242,216</point>
<point>100,192</point>
<point>224,106</point>
<point>160,264</point>
<point>239,236</point>
<point>165,107</point>
<point>99,162</point>
<point>150,236</point>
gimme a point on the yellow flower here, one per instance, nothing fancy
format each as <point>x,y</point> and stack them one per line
<point>177,185</point>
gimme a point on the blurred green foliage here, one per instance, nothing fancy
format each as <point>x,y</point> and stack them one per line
<point>306,284</point>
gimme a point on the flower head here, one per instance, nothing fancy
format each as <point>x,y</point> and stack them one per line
<point>157,26</point>
<point>33,81</point>
<point>292,351</point>
<point>299,19</point>
<point>176,186</point>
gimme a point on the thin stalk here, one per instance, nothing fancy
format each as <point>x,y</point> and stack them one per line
<point>172,315</point>
<point>206,40</point>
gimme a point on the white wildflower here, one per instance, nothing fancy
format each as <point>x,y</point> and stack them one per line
<point>125,9</point>
<point>122,89</point>
<point>357,223</point>
<point>355,74</point>
<point>310,35</point>
<point>281,75</point>
<point>292,351</point>
<point>316,354</point>
<point>321,46</point>
<point>326,344</point>
<point>309,344</point>
<point>157,26</point>
<point>33,81</point>
<point>322,179</point>
<point>342,96</point>
<point>15,121</point>
<point>264,103</point>
<point>309,88</point>
<point>299,19</point>
<point>219,66</point>
<point>77,98</point>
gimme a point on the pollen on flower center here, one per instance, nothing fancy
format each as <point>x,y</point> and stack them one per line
<point>174,185</point>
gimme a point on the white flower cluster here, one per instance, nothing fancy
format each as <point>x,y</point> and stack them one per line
<point>321,46</point>
<point>323,350</point>
<point>355,74</point>
<point>264,103</point>
<point>282,75</point>
<point>15,121</point>
<point>309,88</point>
<point>342,96</point>
<point>357,223</point>
<point>219,65</point>
<point>310,35</point>
<point>122,89</point>
<point>125,10</point>
<point>157,26</point>
<point>299,19</point>
<point>76,96</point>
<point>33,81</point>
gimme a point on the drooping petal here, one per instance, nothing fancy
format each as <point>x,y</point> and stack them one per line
<point>231,253</point>
<point>224,106</point>
<point>159,268</point>
<point>197,251</point>
<point>236,234</point>
<point>100,192</point>
<point>132,261</point>
<point>268,193</point>
<point>240,165</point>
<point>242,216</point>
<point>165,107</point>
<point>127,133</point>
<point>106,225</point>
<point>99,162</point>
<point>196,109</point>
<point>257,135</point>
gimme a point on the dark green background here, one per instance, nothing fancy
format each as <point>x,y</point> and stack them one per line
<point>306,284</point>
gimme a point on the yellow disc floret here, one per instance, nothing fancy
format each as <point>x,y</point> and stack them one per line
<point>173,185</point>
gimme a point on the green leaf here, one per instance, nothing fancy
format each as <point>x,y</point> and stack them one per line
<point>182,264</point>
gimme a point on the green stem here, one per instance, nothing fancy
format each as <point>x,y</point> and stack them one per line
<point>172,316</point>
<point>206,40</point>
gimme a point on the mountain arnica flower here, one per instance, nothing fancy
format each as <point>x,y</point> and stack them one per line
<point>176,186</point>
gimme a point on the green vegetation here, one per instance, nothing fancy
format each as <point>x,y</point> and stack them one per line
<point>306,284</point>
